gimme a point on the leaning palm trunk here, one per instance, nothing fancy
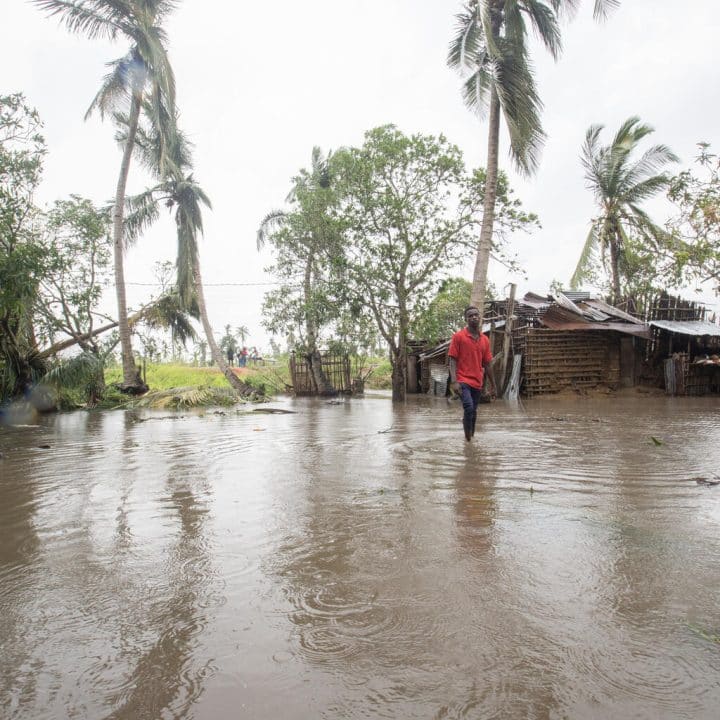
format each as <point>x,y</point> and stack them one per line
<point>240,387</point>
<point>482,259</point>
<point>128,360</point>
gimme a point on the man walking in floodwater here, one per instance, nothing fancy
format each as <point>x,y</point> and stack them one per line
<point>469,357</point>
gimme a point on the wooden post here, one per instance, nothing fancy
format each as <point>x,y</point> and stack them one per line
<point>500,378</point>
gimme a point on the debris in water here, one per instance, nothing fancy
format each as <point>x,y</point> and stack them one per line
<point>655,441</point>
<point>705,634</point>
<point>273,411</point>
<point>706,482</point>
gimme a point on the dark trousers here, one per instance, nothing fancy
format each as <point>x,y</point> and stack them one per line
<point>470,397</point>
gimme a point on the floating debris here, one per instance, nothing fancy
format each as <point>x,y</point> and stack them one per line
<point>273,411</point>
<point>706,482</point>
<point>655,441</point>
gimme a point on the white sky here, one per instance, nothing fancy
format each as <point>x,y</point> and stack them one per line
<point>260,83</point>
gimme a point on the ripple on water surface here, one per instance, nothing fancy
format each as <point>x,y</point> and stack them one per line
<point>363,560</point>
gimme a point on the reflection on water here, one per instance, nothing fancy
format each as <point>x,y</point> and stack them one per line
<point>362,560</point>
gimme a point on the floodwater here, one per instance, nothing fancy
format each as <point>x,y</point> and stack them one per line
<point>359,560</point>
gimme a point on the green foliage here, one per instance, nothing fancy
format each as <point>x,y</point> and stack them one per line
<point>78,249</point>
<point>444,314</point>
<point>692,252</point>
<point>370,234</point>
<point>622,233</point>
<point>23,261</point>
<point>303,238</point>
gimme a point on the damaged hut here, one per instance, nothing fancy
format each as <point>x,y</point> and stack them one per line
<point>568,341</point>
<point>572,341</point>
<point>683,353</point>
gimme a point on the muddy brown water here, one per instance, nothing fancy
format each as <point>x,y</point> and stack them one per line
<point>361,560</point>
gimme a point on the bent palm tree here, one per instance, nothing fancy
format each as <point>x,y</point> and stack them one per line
<point>178,191</point>
<point>620,184</point>
<point>144,78</point>
<point>491,46</point>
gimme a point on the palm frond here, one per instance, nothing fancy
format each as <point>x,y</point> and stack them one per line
<point>467,45</point>
<point>141,211</point>
<point>544,22</point>
<point>79,370</point>
<point>650,163</point>
<point>587,258</point>
<point>272,222</point>
<point>646,227</point>
<point>169,312</point>
<point>521,106</point>
<point>186,397</point>
<point>113,89</point>
<point>92,19</point>
<point>602,8</point>
<point>476,90</point>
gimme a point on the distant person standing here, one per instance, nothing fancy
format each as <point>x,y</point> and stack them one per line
<point>242,357</point>
<point>230,355</point>
<point>469,358</point>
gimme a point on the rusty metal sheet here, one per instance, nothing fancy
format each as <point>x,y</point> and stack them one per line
<point>613,311</point>
<point>538,302</point>
<point>555,323</point>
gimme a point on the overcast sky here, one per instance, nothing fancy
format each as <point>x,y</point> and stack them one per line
<point>259,84</point>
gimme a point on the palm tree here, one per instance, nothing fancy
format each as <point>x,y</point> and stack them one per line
<point>243,333</point>
<point>143,77</point>
<point>620,183</point>
<point>491,46</point>
<point>178,191</point>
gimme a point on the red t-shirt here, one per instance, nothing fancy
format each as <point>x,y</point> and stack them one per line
<point>470,356</point>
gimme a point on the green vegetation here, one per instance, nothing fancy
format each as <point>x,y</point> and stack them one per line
<point>491,48</point>
<point>178,385</point>
<point>370,233</point>
<point>621,182</point>
<point>140,85</point>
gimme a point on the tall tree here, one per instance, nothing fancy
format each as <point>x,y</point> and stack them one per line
<point>168,155</point>
<point>621,182</point>
<point>23,260</point>
<point>141,80</point>
<point>302,238</point>
<point>408,210</point>
<point>491,48</point>
<point>693,252</point>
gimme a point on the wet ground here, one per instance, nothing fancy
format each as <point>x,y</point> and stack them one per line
<point>359,560</point>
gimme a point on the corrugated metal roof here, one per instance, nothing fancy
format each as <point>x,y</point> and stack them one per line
<point>613,311</point>
<point>576,295</point>
<point>558,323</point>
<point>688,327</point>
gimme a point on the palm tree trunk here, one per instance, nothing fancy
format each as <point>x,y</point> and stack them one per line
<point>243,389</point>
<point>482,259</point>
<point>615,266</point>
<point>128,360</point>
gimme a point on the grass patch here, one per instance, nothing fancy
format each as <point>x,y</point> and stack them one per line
<point>191,385</point>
